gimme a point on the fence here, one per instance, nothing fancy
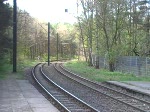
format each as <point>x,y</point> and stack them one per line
<point>127,64</point>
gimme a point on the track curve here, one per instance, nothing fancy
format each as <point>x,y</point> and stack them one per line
<point>67,101</point>
<point>136,103</point>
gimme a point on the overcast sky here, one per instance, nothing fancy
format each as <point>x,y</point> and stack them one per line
<point>49,10</point>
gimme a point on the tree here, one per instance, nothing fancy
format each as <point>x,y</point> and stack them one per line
<point>110,19</point>
<point>112,28</point>
<point>30,32</point>
<point>5,28</point>
<point>66,41</point>
<point>144,6</point>
<point>88,19</point>
<point>5,15</point>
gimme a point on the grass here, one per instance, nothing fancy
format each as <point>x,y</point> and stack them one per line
<point>101,75</point>
<point>6,69</point>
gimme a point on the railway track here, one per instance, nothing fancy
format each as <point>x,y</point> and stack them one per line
<point>67,101</point>
<point>135,93</point>
<point>134,102</point>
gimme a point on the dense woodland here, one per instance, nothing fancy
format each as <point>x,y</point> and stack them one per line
<point>5,30</point>
<point>108,28</point>
<point>113,28</point>
<point>31,33</point>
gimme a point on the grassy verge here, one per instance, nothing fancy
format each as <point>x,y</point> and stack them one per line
<point>101,75</point>
<point>6,69</point>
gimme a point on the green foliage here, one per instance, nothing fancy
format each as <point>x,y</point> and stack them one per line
<point>5,67</point>
<point>22,64</point>
<point>5,29</point>
<point>101,75</point>
<point>5,15</point>
<point>5,70</point>
<point>114,28</point>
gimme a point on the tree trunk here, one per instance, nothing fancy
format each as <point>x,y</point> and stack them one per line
<point>97,62</point>
<point>82,38</point>
<point>111,67</point>
<point>90,59</point>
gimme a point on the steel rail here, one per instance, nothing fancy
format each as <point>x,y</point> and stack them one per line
<point>95,83</point>
<point>84,103</point>
<point>86,106</point>
<point>96,89</point>
<point>132,90</point>
<point>113,90</point>
<point>33,74</point>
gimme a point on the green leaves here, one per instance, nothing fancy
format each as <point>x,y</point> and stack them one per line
<point>5,25</point>
<point>101,75</point>
<point>5,16</point>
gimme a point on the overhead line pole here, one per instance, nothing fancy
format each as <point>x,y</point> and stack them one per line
<point>14,36</point>
<point>57,45</point>
<point>48,43</point>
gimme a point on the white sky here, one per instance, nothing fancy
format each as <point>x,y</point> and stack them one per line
<point>49,10</point>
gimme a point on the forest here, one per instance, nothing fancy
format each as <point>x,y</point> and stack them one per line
<point>114,28</point>
<point>109,28</point>
<point>5,30</point>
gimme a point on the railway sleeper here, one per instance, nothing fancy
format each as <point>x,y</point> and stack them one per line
<point>54,92</point>
<point>63,97</point>
<point>64,100</point>
<point>126,100</point>
<point>118,97</point>
<point>80,110</point>
<point>143,107</point>
<point>60,96</point>
<point>77,108</point>
<point>131,102</point>
<point>74,106</point>
<point>136,104</point>
<point>69,103</point>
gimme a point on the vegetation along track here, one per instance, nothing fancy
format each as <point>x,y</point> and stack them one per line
<point>134,102</point>
<point>67,101</point>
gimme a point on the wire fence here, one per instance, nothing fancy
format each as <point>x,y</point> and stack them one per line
<point>139,66</point>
